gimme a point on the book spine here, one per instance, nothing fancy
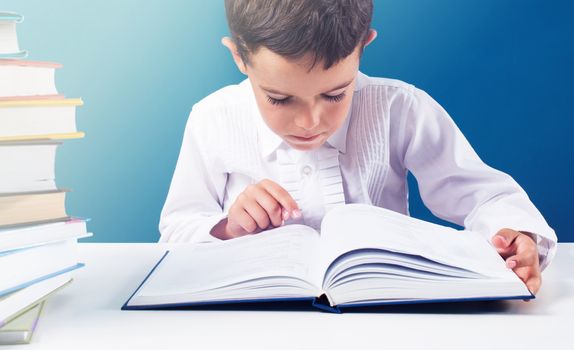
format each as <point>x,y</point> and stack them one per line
<point>322,303</point>
<point>27,63</point>
<point>43,137</point>
<point>55,102</point>
<point>32,98</point>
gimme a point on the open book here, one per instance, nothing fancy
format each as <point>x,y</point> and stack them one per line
<point>364,255</point>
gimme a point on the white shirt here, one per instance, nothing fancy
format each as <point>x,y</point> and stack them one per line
<point>392,128</point>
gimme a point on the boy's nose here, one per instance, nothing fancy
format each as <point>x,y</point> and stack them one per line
<point>308,119</point>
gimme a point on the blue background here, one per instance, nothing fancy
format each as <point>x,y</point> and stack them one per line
<point>501,68</point>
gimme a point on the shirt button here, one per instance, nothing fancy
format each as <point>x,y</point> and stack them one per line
<point>307,170</point>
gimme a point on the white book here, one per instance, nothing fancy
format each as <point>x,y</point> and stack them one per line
<point>9,47</point>
<point>364,255</point>
<point>19,78</point>
<point>28,236</point>
<point>15,303</point>
<point>38,117</point>
<point>21,329</point>
<point>28,166</point>
<point>22,268</point>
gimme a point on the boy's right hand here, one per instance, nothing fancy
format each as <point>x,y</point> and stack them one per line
<point>259,207</point>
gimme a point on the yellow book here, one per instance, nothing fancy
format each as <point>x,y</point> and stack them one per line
<point>32,119</point>
<point>41,102</point>
<point>72,135</point>
<point>21,329</point>
<point>29,207</point>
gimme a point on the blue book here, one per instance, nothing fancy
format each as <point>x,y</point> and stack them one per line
<point>9,48</point>
<point>363,256</point>
<point>27,266</point>
<point>11,17</point>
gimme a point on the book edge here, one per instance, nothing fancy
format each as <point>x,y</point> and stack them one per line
<point>27,63</point>
<point>14,55</point>
<point>126,306</point>
<point>440,300</point>
<point>168,306</point>
<point>11,17</point>
<point>41,278</point>
<point>63,136</point>
<point>54,102</point>
<point>32,97</point>
<point>36,302</point>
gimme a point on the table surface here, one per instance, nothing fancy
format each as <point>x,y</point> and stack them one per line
<point>87,315</point>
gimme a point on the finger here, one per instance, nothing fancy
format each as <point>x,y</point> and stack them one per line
<point>282,196</point>
<point>241,223</point>
<point>504,241</point>
<point>526,253</point>
<point>527,259</point>
<point>258,214</point>
<point>533,284</point>
<point>530,276</point>
<point>504,252</point>
<point>271,206</point>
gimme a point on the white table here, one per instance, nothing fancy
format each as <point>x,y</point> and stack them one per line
<point>87,315</point>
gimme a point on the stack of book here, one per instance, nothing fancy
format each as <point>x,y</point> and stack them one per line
<point>38,238</point>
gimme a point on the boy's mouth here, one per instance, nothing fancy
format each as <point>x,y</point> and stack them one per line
<point>306,139</point>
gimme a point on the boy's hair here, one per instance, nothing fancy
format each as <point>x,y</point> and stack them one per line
<point>330,30</point>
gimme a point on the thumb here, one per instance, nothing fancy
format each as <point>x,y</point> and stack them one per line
<point>499,241</point>
<point>504,238</point>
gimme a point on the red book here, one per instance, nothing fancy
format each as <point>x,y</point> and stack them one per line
<point>20,79</point>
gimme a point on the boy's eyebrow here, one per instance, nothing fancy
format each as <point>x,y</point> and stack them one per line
<point>273,91</point>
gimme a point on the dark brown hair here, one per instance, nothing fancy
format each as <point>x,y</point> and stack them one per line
<point>330,30</point>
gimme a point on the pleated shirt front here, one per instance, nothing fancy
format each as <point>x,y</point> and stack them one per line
<point>392,128</point>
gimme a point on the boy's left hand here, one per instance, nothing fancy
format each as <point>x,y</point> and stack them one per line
<point>521,255</point>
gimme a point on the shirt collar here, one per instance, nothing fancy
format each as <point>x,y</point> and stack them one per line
<point>269,141</point>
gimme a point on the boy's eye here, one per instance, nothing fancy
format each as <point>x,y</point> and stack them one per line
<point>278,101</point>
<point>336,98</point>
<point>283,101</point>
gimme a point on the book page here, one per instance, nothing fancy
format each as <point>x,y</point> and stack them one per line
<point>228,269</point>
<point>358,226</point>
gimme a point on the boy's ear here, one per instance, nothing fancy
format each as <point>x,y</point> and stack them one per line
<point>372,35</point>
<point>227,42</point>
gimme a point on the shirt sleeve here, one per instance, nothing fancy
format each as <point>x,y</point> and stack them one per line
<point>458,187</point>
<point>193,204</point>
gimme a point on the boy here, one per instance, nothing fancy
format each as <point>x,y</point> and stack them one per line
<point>307,131</point>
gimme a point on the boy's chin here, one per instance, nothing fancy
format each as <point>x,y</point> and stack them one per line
<point>302,145</point>
<point>305,147</point>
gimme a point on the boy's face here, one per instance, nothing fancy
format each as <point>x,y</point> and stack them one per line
<point>304,107</point>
